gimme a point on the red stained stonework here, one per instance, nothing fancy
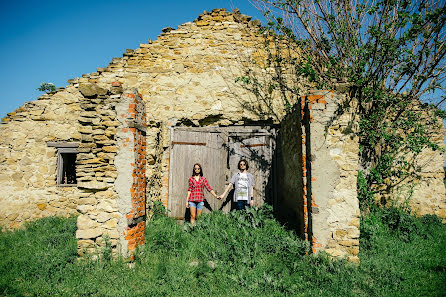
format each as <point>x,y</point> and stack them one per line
<point>307,103</point>
<point>134,232</point>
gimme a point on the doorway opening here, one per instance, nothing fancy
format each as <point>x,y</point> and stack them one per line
<point>218,150</point>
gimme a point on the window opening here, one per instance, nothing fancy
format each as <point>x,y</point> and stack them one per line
<point>66,162</point>
<point>66,169</point>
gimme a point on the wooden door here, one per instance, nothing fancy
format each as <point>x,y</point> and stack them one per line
<point>218,150</point>
<point>255,146</point>
<point>189,146</point>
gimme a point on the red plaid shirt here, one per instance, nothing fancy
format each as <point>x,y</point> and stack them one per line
<point>196,188</point>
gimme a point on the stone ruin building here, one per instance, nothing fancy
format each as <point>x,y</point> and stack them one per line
<point>110,143</point>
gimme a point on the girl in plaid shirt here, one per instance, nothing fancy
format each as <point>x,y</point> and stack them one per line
<point>195,195</point>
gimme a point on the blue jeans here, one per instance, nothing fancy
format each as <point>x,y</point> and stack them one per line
<point>198,205</point>
<point>242,204</point>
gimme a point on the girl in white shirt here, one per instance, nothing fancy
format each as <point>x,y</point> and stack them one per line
<point>243,183</point>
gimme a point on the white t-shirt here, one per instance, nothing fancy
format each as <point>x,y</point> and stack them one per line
<point>242,187</point>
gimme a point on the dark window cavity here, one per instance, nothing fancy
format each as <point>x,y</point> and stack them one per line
<point>66,171</point>
<point>66,162</point>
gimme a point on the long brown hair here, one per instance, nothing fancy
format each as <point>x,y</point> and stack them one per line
<point>201,169</point>
<point>246,163</point>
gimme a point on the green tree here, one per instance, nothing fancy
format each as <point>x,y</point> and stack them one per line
<point>390,54</point>
<point>46,87</point>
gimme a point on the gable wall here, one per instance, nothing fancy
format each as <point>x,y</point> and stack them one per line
<point>28,165</point>
<point>187,77</point>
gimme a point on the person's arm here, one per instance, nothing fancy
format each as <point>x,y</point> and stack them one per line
<point>252,191</point>
<point>222,196</point>
<point>213,194</point>
<point>187,199</point>
<point>208,187</point>
<point>188,192</point>
<point>252,196</point>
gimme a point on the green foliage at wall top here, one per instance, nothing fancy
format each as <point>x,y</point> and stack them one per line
<point>388,55</point>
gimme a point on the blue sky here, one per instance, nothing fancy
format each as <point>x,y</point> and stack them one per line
<point>53,41</point>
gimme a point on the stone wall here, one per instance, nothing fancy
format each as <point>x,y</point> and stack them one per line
<point>424,191</point>
<point>428,195</point>
<point>96,170</point>
<point>318,166</point>
<point>331,165</point>
<point>131,166</point>
<point>28,165</point>
<point>111,169</point>
<point>82,116</point>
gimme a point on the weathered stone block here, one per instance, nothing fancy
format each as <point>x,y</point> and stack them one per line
<point>110,149</point>
<point>86,129</point>
<point>441,213</point>
<point>355,222</point>
<point>353,233</point>
<point>42,206</point>
<point>92,161</point>
<point>104,216</point>
<point>89,114</point>
<point>91,121</point>
<point>100,137</point>
<point>112,174</point>
<point>89,89</point>
<point>113,234</point>
<point>106,156</point>
<point>341,233</point>
<point>111,123</point>
<point>89,233</point>
<point>87,201</point>
<point>83,244</point>
<point>335,252</point>
<point>110,224</point>
<point>106,206</point>
<point>84,223</point>
<point>98,132</point>
<point>352,242</point>
<point>110,131</point>
<point>92,185</point>
<point>84,156</point>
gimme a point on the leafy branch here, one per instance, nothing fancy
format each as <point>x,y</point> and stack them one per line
<point>390,54</point>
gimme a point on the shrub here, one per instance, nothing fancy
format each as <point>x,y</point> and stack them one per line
<point>401,222</point>
<point>46,87</point>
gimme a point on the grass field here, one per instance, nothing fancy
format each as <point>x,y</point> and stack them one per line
<point>239,254</point>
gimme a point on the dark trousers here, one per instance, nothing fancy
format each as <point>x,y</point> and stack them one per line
<point>242,204</point>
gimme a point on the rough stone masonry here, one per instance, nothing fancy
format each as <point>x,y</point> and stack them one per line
<point>117,123</point>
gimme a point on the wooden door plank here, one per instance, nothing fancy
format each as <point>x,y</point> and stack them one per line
<point>188,143</point>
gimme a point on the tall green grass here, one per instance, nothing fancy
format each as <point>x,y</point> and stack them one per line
<point>239,254</point>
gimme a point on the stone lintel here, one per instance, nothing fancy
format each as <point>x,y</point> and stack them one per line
<point>62,144</point>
